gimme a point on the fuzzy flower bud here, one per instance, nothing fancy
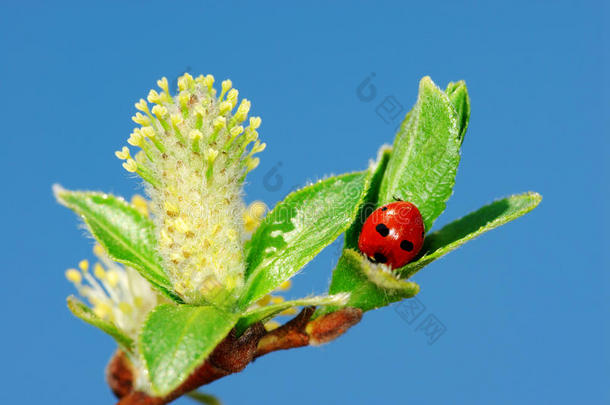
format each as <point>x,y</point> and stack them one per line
<point>195,164</point>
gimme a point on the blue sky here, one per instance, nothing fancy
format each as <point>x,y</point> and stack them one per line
<point>525,307</point>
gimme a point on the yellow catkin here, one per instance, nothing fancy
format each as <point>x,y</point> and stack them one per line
<point>196,160</point>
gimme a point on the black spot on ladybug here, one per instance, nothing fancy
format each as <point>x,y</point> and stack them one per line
<point>382,229</point>
<point>379,258</point>
<point>384,208</point>
<point>423,233</point>
<point>406,245</point>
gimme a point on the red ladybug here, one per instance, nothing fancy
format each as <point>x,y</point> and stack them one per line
<point>393,234</point>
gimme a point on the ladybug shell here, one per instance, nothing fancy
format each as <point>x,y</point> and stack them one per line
<point>393,234</point>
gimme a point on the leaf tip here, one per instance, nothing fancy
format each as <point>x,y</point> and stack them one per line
<point>426,82</point>
<point>58,192</point>
<point>454,86</point>
<point>535,198</point>
<point>72,301</point>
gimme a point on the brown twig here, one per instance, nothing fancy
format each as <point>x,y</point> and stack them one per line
<point>234,353</point>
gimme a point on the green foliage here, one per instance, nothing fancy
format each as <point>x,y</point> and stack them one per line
<point>126,234</point>
<point>369,285</point>
<point>298,228</point>
<point>82,311</point>
<point>177,338</point>
<point>425,155</point>
<point>458,232</point>
<point>420,167</point>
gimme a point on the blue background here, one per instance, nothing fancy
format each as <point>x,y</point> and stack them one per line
<point>525,307</point>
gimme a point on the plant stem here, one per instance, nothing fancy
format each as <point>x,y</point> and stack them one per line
<point>234,353</point>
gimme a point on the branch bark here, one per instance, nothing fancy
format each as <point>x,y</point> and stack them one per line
<point>234,353</point>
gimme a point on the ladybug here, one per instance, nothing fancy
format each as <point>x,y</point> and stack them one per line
<point>392,234</point>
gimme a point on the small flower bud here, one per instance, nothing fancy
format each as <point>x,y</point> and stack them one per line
<point>159,111</point>
<point>141,105</point>
<point>130,165</point>
<point>74,276</point>
<point>208,81</point>
<point>83,265</point>
<point>226,85</point>
<point>235,131</point>
<point>141,119</point>
<point>99,271</point>
<point>135,139</point>
<point>163,84</point>
<point>153,97</point>
<point>224,107</point>
<point>148,132</point>
<point>183,99</point>
<point>232,97</point>
<point>252,163</point>
<point>123,153</point>
<point>255,122</point>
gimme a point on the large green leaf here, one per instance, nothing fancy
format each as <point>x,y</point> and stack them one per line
<point>126,234</point>
<point>298,228</point>
<point>370,285</point>
<point>458,232</point>
<point>425,155</point>
<point>177,338</point>
<point>82,311</point>
<point>458,94</point>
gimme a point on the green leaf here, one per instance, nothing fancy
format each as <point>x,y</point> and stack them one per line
<point>369,203</point>
<point>370,285</point>
<point>298,228</point>
<point>177,338</point>
<point>458,94</point>
<point>262,314</point>
<point>458,232</point>
<point>425,155</point>
<point>126,234</point>
<point>82,311</point>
